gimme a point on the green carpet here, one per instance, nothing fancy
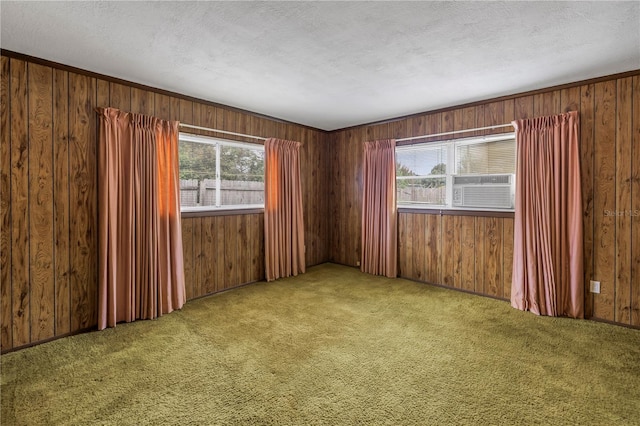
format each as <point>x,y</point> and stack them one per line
<point>332,347</point>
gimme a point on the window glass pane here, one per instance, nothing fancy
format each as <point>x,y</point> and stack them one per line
<point>430,191</point>
<point>241,176</point>
<point>421,161</point>
<point>197,172</point>
<point>238,182</point>
<point>486,158</point>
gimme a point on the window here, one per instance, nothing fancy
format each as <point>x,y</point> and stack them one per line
<point>218,174</point>
<point>473,174</point>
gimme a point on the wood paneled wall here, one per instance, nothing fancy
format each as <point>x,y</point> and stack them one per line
<point>475,253</point>
<point>48,197</point>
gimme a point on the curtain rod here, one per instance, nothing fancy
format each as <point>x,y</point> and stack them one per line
<point>454,132</point>
<point>206,129</point>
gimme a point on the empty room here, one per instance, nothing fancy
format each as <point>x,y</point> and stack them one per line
<point>320,213</point>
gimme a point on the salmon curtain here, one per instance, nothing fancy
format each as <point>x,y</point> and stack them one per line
<point>379,213</point>
<point>141,273</point>
<point>548,253</point>
<point>283,216</point>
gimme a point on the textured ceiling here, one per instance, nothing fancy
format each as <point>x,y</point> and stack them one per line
<point>333,64</point>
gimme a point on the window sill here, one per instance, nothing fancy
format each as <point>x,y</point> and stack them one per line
<point>221,212</point>
<point>457,212</point>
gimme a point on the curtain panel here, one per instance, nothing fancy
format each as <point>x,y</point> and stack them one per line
<point>548,251</point>
<point>283,214</point>
<point>141,273</point>
<point>379,212</point>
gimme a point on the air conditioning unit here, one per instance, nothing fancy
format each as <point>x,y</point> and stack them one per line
<point>484,191</point>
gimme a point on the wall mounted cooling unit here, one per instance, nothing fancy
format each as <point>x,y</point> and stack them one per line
<point>484,191</point>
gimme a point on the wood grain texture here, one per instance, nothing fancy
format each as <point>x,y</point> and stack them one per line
<point>587,147</point>
<point>187,255</point>
<point>6,306</point>
<point>523,107</point>
<point>20,279</point>
<point>604,200</point>
<point>41,255</point>
<point>103,94</point>
<point>209,241</point>
<point>480,235</point>
<point>468,244</point>
<point>142,101</point>
<point>162,106</point>
<point>448,256</point>
<point>508,257</point>
<point>62,211</point>
<point>120,97</point>
<point>242,260</point>
<point>635,204</point>
<point>433,250</point>
<point>493,251</point>
<point>221,243</point>
<point>83,201</point>
<point>229,252</point>
<point>419,230</point>
<point>198,257</point>
<point>622,303</point>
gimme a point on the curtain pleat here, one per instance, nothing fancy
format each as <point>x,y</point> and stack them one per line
<point>379,213</point>
<point>283,214</point>
<point>548,250</point>
<point>141,273</point>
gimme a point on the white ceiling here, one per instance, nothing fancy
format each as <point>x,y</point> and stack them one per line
<point>333,64</point>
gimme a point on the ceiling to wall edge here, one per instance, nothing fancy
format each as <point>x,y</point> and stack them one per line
<point>69,68</point>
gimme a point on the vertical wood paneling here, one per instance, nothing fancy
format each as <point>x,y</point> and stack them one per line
<point>508,257</point>
<point>141,101</point>
<point>230,251</point>
<point>587,147</point>
<point>187,255</point>
<point>468,266</point>
<point>635,204</point>
<point>198,257</point>
<point>242,258</point>
<point>433,251</point>
<point>220,253</point>
<point>622,313</point>
<point>448,256</point>
<point>420,248</point>
<point>479,245</point>
<point>41,257</point>
<point>20,278</point>
<point>256,241</point>
<point>120,97</point>
<point>103,94</point>
<point>209,266</point>
<point>402,249</point>
<point>61,202</point>
<point>523,107</point>
<point>408,246</point>
<point>83,201</point>
<point>493,247</point>
<point>162,106</point>
<point>457,251</point>
<point>570,99</point>
<point>6,312</point>
<point>604,199</point>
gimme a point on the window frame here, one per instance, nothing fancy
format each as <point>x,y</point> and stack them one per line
<point>219,143</point>
<point>451,165</point>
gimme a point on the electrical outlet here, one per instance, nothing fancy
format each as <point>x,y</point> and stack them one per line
<point>357,263</point>
<point>594,286</point>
